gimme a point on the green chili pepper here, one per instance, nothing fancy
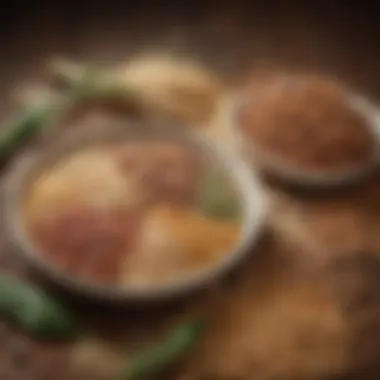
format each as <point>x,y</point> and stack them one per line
<point>34,310</point>
<point>88,82</point>
<point>160,357</point>
<point>215,198</point>
<point>84,83</point>
<point>19,129</point>
<point>89,85</point>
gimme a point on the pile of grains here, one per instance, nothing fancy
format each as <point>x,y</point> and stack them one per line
<point>307,122</point>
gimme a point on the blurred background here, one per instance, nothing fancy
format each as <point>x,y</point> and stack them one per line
<point>232,36</point>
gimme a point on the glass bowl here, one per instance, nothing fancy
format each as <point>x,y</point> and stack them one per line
<point>26,170</point>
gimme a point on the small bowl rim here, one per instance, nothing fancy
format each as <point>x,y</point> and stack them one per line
<point>275,165</point>
<point>247,183</point>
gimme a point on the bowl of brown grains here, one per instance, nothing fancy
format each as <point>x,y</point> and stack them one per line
<point>307,130</point>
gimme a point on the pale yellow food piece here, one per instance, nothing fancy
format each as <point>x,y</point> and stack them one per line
<point>174,88</point>
<point>88,177</point>
<point>96,358</point>
<point>176,242</point>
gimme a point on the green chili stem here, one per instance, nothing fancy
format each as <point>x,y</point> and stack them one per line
<point>164,354</point>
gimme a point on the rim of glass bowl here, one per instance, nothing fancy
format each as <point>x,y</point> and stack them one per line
<point>289,172</point>
<point>246,181</point>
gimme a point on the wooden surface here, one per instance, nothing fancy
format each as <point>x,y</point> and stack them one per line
<point>233,37</point>
<point>228,35</point>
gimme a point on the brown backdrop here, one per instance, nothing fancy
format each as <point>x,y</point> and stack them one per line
<point>328,36</point>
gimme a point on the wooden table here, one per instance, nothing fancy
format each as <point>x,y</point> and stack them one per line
<point>233,37</point>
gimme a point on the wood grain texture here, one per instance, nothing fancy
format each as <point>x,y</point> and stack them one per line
<point>233,38</point>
